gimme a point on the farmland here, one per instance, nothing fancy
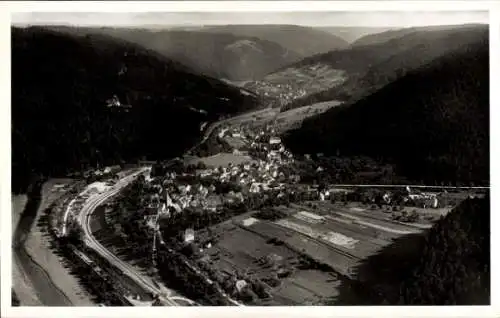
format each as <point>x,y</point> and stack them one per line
<point>246,252</point>
<point>294,82</point>
<point>222,160</point>
<point>289,119</point>
<point>336,238</point>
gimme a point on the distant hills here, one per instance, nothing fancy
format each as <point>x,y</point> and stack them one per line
<point>432,123</point>
<point>352,33</point>
<point>303,40</point>
<point>216,54</point>
<point>367,68</point>
<point>233,52</point>
<point>67,98</point>
<point>381,36</point>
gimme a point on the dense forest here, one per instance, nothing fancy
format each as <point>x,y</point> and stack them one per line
<point>448,265</point>
<point>221,55</point>
<point>433,123</point>
<point>62,85</point>
<point>371,67</point>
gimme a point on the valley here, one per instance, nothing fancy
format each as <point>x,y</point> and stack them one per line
<point>250,165</point>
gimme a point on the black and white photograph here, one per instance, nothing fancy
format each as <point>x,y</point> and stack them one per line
<point>249,158</point>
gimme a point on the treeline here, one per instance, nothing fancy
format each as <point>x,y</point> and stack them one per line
<point>449,265</point>
<point>212,146</point>
<point>345,170</point>
<point>61,86</point>
<point>454,268</point>
<point>200,219</point>
<point>432,124</point>
<point>371,67</point>
<point>174,272</point>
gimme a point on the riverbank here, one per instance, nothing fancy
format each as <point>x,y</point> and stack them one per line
<point>21,284</point>
<point>35,260</point>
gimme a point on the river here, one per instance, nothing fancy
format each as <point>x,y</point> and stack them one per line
<point>47,292</point>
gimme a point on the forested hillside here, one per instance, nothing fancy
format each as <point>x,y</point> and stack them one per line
<point>61,89</point>
<point>448,265</point>
<point>220,55</point>
<point>433,123</point>
<point>353,33</point>
<point>387,35</point>
<point>370,67</point>
<point>304,40</point>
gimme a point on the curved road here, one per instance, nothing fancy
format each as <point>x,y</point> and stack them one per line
<point>143,281</point>
<point>84,217</point>
<point>211,127</point>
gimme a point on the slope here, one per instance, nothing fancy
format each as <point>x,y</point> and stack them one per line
<point>370,67</point>
<point>220,55</point>
<point>432,123</point>
<point>305,41</point>
<point>352,34</point>
<point>448,265</point>
<point>387,35</point>
<point>62,85</point>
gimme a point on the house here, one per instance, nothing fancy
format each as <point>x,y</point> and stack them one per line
<point>240,284</point>
<point>222,132</point>
<point>387,198</point>
<point>255,188</point>
<point>435,203</point>
<point>163,209</point>
<point>324,195</point>
<point>189,235</point>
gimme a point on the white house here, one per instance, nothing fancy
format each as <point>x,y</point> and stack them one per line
<point>189,235</point>
<point>274,140</point>
<point>240,284</point>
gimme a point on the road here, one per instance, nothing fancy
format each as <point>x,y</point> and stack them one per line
<point>93,202</point>
<point>208,131</point>
<point>143,281</point>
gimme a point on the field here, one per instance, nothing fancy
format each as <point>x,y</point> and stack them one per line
<point>222,159</point>
<point>295,82</point>
<point>337,235</point>
<point>242,250</point>
<point>311,78</point>
<point>291,118</point>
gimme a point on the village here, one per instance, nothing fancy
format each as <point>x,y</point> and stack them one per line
<point>252,224</point>
<point>267,167</point>
<point>296,227</point>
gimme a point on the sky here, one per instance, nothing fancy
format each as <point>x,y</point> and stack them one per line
<point>334,18</point>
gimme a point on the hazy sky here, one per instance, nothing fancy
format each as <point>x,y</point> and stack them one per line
<point>380,19</point>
